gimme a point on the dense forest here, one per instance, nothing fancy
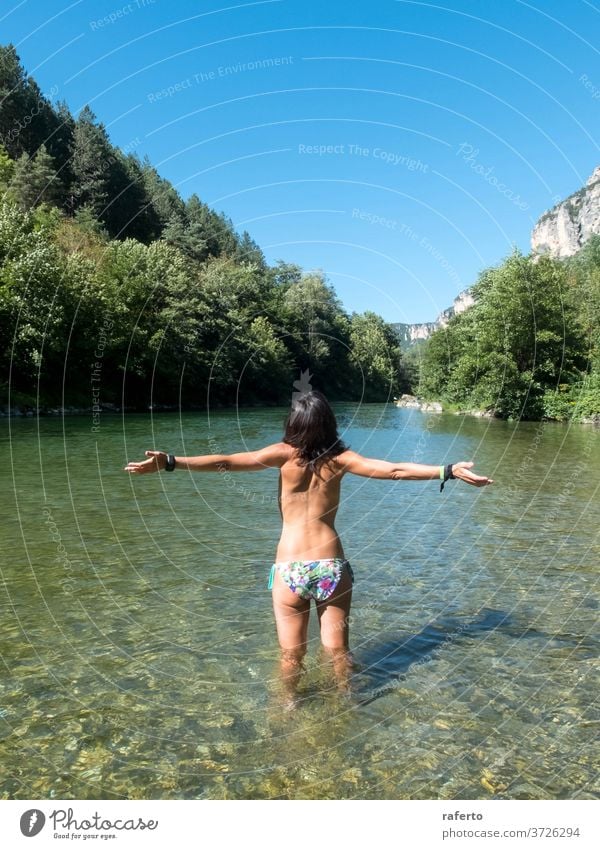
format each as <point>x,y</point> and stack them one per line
<point>114,290</point>
<point>529,348</point>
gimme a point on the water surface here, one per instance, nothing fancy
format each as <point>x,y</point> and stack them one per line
<point>138,644</point>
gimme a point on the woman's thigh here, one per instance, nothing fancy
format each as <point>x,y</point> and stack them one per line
<point>334,613</point>
<point>291,615</point>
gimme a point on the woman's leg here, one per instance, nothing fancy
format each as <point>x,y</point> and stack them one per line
<point>291,618</point>
<point>334,616</point>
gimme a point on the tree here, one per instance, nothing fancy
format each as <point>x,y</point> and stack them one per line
<point>163,196</point>
<point>285,274</point>
<point>318,331</point>
<point>439,355</point>
<point>520,339</point>
<point>60,145</point>
<point>34,180</point>
<point>24,109</point>
<point>180,302</point>
<point>7,167</point>
<point>187,237</point>
<point>248,251</point>
<point>376,354</point>
<point>32,307</point>
<point>13,97</point>
<point>583,276</point>
<point>268,369</point>
<point>92,156</point>
<point>130,213</point>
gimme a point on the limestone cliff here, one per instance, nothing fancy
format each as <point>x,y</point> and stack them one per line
<point>560,232</point>
<point>463,301</point>
<point>565,228</point>
<point>411,333</point>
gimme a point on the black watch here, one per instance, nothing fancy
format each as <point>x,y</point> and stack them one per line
<point>447,475</point>
<point>170,465</point>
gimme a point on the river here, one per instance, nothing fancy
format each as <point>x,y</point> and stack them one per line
<point>138,643</point>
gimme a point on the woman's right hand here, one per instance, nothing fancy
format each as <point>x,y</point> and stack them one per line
<point>156,462</point>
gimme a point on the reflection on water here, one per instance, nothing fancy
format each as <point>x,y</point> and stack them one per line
<point>138,645</point>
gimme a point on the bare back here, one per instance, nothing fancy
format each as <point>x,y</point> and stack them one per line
<point>309,505</point>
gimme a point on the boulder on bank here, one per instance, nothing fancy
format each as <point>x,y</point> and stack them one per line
<point>418,404</point>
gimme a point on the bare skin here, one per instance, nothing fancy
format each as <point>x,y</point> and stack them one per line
<point>308,505</point>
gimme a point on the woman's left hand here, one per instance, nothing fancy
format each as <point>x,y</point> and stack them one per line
<point>463,473</point>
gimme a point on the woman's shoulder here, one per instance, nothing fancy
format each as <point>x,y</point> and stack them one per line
<point>280,452</point>
<point>345,456</point>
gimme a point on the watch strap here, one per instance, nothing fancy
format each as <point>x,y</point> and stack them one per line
<point>448,475</point>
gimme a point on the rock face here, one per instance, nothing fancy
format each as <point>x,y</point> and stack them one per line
<point>463,301</point>
<point>411,333</point>
<point>564,229</point>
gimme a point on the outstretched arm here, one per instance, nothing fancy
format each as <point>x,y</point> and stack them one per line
<point>271,456</point>
<point>382,470</point>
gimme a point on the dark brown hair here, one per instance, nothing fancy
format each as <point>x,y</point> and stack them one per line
<point>311,428</point>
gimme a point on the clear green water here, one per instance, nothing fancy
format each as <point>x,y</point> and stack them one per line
<point>138,645</point>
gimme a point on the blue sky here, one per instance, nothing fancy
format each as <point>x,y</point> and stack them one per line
<point>401,147</point>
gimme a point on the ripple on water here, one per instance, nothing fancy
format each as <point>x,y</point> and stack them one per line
<point>142,663</point>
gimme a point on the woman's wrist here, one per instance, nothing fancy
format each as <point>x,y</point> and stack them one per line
<point>446,474</point>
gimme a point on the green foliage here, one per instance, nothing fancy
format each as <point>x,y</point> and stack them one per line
<point>523,339</point>
<point>109,278</point>
<point>318,328</point>
<point>88,223</point>
<point>90,164</point>
<point>32,303</point>
<point>158,328</point>
<point>412,358</point>
<point>580,400</point>
<point>376,355</point>
<point>248,251</point>
<point>161,194</point>
<point>34,180</point>
<point>199,232</point>
<point>583,274</point>
<point>26,115</point>
<point>269,369</point>
<point>6,169</point>
<point>130,212</point>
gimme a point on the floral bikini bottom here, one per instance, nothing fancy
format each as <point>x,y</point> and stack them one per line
<point>312,578</point>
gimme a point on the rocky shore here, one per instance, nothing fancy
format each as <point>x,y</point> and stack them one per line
<point>436,407</point>
<point>418,404</point>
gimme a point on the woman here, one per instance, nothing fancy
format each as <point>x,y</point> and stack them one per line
<point>310,562</point>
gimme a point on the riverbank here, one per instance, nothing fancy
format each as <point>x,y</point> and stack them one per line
<point>405,401</point>
<point>413,402</point>
<point>28,411</point>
